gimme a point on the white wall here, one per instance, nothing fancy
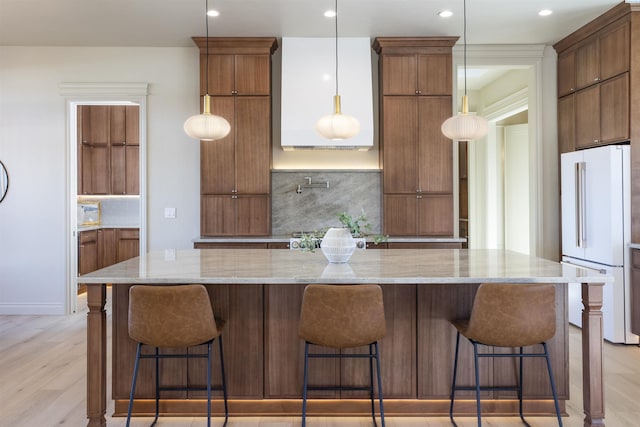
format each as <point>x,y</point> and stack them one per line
<point>33,147</point>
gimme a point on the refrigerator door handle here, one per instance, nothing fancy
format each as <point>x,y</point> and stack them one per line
<point>581,200</point>
<point>575,264</point>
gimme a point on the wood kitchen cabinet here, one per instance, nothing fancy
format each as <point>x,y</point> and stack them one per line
<point>106,246</point>
<point>594,81</point>
<point>423,74</point>
<point>128,243</point>
<point>87,251</point>
<point>602,113</point>
<point>417,159</point>
<point>241,74</point>
<point>566,124</point>
<point>235,215</point>
<point>418,166</point>
<point>125,149</point>
<point>108,149</point>
<point>235,171</point>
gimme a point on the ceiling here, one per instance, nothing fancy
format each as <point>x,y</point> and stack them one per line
<point>172,23</point>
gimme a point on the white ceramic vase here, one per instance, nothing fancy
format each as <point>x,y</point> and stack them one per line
<point>338,245</point>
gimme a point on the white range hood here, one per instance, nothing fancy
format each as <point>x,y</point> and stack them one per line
<point>308,87</point>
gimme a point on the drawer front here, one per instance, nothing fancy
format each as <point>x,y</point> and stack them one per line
<point>88,236</point>
<point>129,233</point>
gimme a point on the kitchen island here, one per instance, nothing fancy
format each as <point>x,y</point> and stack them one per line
<point>258,292</point>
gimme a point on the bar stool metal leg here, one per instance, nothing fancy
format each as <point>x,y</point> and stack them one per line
<point>133,384</point>
<point>453,382</point>
<point>209,384</point>
<point>371,394</point>
<point>379,384</point>
<point>477,374</point>
<point>306,383</point>
<point>520,387</point>
<point>155,420</point>
<point>553,384</point>
<point>224,383</point>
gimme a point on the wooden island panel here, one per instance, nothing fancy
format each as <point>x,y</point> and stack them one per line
<point>284,351</point>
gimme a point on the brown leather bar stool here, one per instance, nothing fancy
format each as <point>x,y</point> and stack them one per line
<point>174,317</point>
<point>508,315</point>
<point>343,316</point>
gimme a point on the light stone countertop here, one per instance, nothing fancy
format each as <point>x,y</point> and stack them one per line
<point>398,266</point>
<point>285,238</point>
<point>634,245</point>
<point>103,226</point>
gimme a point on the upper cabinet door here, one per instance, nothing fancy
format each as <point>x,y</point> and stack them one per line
<point>614,51</point>
<point>221,74</point>
<point>252,75</point>
<point>95,124</point>
<point>237,74</point>
<point>132,125</point>
<point>587,64</point>
<point>566,72</point>
<point>400,74</point>
<point>434,74</point>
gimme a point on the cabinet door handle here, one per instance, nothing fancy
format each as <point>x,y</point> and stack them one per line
<point>596,79</point>
<point>596,140</point>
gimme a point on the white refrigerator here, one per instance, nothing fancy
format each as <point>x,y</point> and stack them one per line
<point>596,225</point>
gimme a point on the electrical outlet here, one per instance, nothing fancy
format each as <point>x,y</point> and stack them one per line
<point>170,213</point>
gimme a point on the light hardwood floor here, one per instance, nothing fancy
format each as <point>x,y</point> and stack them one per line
<point>42,383</point>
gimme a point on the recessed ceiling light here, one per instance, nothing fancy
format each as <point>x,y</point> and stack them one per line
<point>330,13</point>
<point>545,12</point>
<point>445,14</point>
<point>213,13</point>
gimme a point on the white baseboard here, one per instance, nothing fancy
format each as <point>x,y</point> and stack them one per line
<point>32,309</point>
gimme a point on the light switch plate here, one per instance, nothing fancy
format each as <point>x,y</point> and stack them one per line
<point>170,213</point>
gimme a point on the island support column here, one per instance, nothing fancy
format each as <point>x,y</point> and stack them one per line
<point>592,359</point>
<point>96,355</point>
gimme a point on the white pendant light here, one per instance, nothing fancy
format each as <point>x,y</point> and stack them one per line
<point>207,126</point>
<point>463,126</point>
<point>337,126</point>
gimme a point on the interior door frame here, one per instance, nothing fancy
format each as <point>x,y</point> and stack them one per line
<point>516,56</point>
<point>76,94</point>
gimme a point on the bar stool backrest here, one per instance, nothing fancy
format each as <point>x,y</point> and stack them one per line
<point>512,315</point>
<point>171,316</point>
<point>342,316</point>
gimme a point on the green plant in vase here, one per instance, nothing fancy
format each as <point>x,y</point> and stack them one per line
<point>360,227</point>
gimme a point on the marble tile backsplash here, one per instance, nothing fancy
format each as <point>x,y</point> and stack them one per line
<point>316,208</point>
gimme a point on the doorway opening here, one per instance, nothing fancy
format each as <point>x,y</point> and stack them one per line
<point>102,225</point>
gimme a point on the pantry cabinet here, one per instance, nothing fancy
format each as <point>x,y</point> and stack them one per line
<point>417,159</point>
<point>108,149</point>
<point>235,171</point>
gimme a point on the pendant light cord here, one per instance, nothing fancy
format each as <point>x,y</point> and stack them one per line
<point>336,8</point>
<point>206,18</point>
<point>464,31</point>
